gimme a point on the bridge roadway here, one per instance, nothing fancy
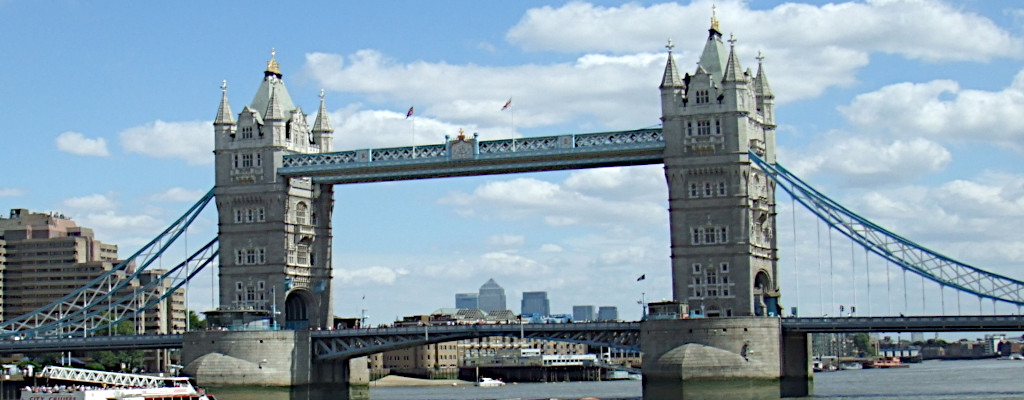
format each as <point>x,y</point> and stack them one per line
<point>347,343</point>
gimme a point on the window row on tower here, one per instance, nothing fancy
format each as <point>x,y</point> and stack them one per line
<point>703,127</point>
<point>710,235</point>
<point>250,215</point>
<point>251,256</point>
<point>247,160</point>
<point>708,189</point>
<point>711,282</point>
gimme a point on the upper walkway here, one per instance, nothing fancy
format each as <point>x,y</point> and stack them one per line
<point>464,157</point>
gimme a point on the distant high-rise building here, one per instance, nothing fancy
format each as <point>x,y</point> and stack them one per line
<point>492,297</point>
<point>535,303</point>
<point>608,313</point>
<point>583,314</point>
<point>467,300</point>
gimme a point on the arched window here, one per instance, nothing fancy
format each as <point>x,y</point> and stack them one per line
<point>301,213</point>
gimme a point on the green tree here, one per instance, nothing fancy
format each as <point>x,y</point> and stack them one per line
<point>196,322</point>
<point>863,343</point>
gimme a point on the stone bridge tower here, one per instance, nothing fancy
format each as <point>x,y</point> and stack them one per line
<point>721,206</point>
<point>275,232</point>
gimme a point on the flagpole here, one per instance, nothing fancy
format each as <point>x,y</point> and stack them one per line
<point>413,136</point>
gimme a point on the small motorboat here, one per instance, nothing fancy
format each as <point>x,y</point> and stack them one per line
<point>488,382</point>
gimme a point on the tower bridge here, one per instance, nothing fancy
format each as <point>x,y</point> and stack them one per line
<point>274,195</point>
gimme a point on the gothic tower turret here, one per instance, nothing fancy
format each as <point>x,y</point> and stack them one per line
<point>275,239</point>
<point>721,206</point>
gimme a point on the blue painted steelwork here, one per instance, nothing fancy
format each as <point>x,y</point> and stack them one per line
<point>348,343</point>
<point>93,306</point>
<point>900,251</point>
<point>936,323</point>
<point>572,151</point>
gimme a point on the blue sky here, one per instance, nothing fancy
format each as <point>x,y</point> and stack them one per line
<point>904,111</point>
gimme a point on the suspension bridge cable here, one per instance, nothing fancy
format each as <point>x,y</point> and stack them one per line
<point>942,293</point>
<point>958,310</point>
<point>796,265</point>
<point>923,301</point>
<point>831,274</point>
<point>853,274</point>
<point>888,287</point>
<point>867,276</point>
<point>906,303</point>
<point>894,248</point>
<point>821,295</point>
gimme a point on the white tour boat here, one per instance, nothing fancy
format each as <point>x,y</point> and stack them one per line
<point>83,384</point>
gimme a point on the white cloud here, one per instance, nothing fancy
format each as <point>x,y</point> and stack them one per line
<point>865,161</point>
<point>123,225</point>
<point>76,143</point>
<point>543,94</point>
<point>506,240</point>
<point>511,264</point>
<point>371,275</point>
<point>178,194</point>
<point>921,29</point>
<point>190,141</point>
<point>922,109</point>
<point>11,192</point>
<point>550,248</point>
<point>93,202</point>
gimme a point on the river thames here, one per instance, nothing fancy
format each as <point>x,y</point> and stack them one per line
<point>968,379</point>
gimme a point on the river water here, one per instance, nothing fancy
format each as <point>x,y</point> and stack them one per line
<point>946,380</point>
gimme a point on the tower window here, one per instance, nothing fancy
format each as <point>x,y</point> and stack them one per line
<point>703,128</point>
<point>246,160</point>
<point>723,234</point>
<point>693,190</point>
<point>689,128</point>
<point>696,268</point>
<point>721,188</point>
<point>718,127</point>
<point>696,236</point>
<point>709,235</point>
<point>707,189</point>
<point>300,213</point>
<point>725,268</point>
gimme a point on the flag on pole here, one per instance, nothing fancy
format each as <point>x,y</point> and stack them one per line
<point>507,104</point>
<point>642,277</point>
<point>409,114</point>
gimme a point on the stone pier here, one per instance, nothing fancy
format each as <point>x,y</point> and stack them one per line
<point>266,358</point>
<point>723,358</point>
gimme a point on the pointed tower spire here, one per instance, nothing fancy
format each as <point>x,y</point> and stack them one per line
<point>323,122</point>
<point>272,67</point>
<point>713,31</point>
<point>733,70</point>
<point>712,59</point>
<point>671,78</point>
<point>274,111</point>
<point>224,116</point>
<point>761,87</point>
<point>323,132</point>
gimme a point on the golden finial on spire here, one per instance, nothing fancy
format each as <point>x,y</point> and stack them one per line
<point>714,17</point>
<point>224,85</point>
<point>760,57</point>
<point>670,45</point>
<point>272,66</point>
<point>321,95</point>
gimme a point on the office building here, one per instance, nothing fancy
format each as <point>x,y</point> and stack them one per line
<point>46,256</point>
<point>467,300</point>
<point>535,303</point>
<point>492,297</point>
<point>583,314</point>
<point>608,313</point>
